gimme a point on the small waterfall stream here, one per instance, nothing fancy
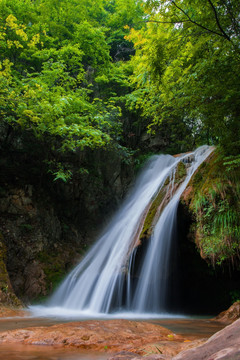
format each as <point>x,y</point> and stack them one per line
<point>103,282</point>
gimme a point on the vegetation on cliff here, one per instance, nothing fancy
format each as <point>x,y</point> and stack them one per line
<point>214,200</point>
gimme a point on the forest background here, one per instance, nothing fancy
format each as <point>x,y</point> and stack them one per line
<point>77,74</point>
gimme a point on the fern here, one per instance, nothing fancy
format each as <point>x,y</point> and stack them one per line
<point>232,162</point>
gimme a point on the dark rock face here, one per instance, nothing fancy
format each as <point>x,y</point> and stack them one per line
<point>202,288</point>
<point>29,229</point>
<point>47,226</point>
<point>7,295</point>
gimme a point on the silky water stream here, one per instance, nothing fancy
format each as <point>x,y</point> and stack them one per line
<point>108,283</point>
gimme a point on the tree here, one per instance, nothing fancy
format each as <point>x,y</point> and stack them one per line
<point>58,79</point>
<point>189,55</point>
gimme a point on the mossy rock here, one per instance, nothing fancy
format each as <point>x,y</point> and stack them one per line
<point>7,296</point>
<point>181,172</point>
<point>55,265</point>
<point>214,202</point>
<point>151,215</point>
<point>160,200</point>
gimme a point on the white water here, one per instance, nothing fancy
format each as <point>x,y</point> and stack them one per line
<point>101,284</point>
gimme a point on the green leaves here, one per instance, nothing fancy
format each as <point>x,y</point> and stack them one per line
<point>92,42</point>
<point>55,59</point>
<point>187,61</point>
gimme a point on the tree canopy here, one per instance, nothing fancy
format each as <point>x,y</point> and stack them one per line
<point>97,74</point>
<point>62,70</point>
<point>187,67</point>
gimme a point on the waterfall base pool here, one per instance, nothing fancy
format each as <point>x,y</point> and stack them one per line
<point>183,326</point>
<point>191,328</point>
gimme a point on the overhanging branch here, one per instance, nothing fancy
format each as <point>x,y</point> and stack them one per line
<point>217,20</point>
<point>222,33</point>
<point>167,22</point>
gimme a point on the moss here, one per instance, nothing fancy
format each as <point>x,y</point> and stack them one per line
<point>148,222</point>
<point>181,172</point>
<point>155,208</point>
<point>54,266</point>
<point>7,296</point>
<point>214,201</point>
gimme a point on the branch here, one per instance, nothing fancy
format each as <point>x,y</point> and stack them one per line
<point>167,22</point>
<point>217,20</point>
<point>200,25</point>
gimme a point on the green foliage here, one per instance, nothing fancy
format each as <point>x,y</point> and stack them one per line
<point>232,162</point>
<point>58,80</point>
<point>216,206</point>
<point>187,65</point>
<point>71,77</point>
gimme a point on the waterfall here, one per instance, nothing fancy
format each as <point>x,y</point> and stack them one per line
<point>108,278</point>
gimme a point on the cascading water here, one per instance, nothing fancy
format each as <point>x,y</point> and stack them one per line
<point>103,281</point>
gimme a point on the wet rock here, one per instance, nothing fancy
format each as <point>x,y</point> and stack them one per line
<point>35,253</point>
<point>8,312</point>
<point>35,284</point>
<point>125,355</point>
<point>168,349</point>
<point>7,295</point>
<point>127,338</point>
<point>189,159</point>
<point>157,357</point>
<point>225,344</point>
<point>230,315</point>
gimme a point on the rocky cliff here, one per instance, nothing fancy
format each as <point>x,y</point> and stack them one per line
<point>46,225</point>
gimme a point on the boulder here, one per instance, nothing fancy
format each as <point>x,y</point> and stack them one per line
<point>230,315</point>
<point>223,345</point>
